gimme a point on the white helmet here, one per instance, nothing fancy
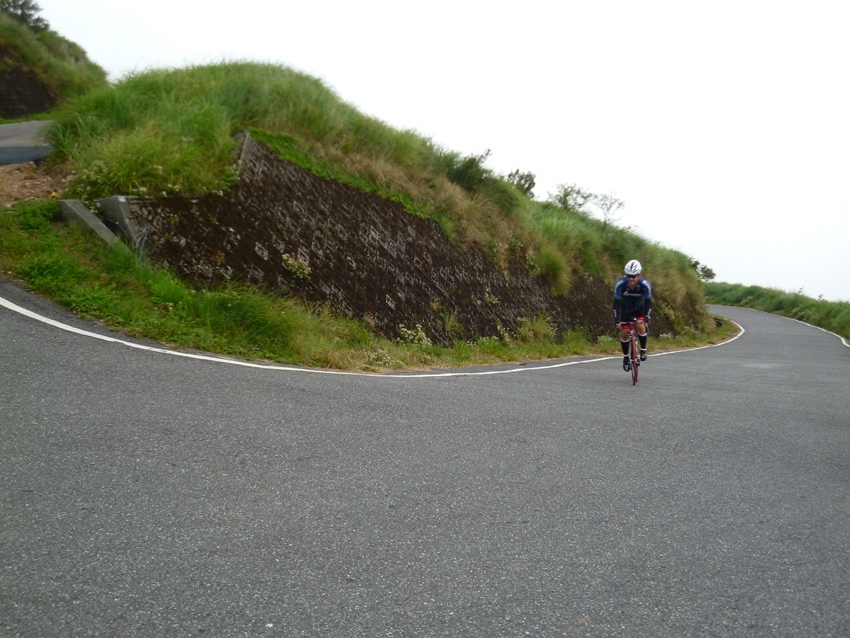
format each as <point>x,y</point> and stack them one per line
<point>633,267</point>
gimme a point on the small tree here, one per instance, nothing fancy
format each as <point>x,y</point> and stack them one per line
<point>469,172</point>
<point>575,199</point>
<point>24,11</point>
<point>703,272</point>
<point>525,182</point>
<point>572,198</point>
<point>608,205</point>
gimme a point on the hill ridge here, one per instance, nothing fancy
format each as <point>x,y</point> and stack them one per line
<point>292,232</point>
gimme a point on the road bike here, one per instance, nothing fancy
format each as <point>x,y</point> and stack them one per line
<point>634,351</point>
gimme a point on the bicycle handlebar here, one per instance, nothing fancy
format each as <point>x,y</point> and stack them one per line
<point>629,323</point>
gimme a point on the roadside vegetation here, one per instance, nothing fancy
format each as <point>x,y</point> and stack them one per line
<point>70,266</point>
<point>830,315</point>
<point>28,43</point>
<point>173,131</point>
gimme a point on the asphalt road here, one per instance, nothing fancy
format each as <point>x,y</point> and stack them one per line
<point>153,495</point>
<point>20,143</point>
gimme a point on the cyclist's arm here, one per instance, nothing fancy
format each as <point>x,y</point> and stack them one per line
<point>647,300</point>
<point>617,303</point>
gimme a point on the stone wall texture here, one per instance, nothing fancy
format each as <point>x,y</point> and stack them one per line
<point>286,229</point>
<point>22,92</point>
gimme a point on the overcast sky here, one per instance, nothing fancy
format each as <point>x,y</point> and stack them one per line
<point>724,127</point>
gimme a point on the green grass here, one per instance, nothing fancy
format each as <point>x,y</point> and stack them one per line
<point>830,315</point>
<point>72,267</point>
<point>172,132</point>
<point>165,132</point>
<point>62,65</point>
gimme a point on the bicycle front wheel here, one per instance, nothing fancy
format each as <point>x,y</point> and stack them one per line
<point>635,357</point>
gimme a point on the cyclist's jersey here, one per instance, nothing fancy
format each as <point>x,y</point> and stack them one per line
<point>630,304</point>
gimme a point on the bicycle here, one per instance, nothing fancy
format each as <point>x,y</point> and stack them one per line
<point>634,351</point>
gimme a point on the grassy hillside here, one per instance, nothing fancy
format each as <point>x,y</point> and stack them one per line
<point>171,132</point>
<point>831,315</point>
<point>54,63</point>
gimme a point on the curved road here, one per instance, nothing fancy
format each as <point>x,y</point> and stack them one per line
<point>153,495</point>
<point>22,142</point>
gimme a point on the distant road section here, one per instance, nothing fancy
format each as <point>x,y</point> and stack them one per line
<point>23,142</point>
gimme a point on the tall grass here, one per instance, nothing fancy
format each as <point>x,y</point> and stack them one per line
<point>191,115</point>
<point>830,315</point>
<point>62,65</point>
<point>582,244</point>
<point>172,131</point>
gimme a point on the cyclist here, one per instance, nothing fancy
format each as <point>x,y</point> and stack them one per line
<point>632,304</point>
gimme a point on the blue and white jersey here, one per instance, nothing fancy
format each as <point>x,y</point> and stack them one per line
<point>631,303</point>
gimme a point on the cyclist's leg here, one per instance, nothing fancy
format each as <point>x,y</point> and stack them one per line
<point>624,342</point>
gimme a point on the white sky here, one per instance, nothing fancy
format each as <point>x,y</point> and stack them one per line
<point>723,126</point>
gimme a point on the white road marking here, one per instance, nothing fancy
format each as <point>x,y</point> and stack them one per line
<point>63,326</point>
<point>843,340</point>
